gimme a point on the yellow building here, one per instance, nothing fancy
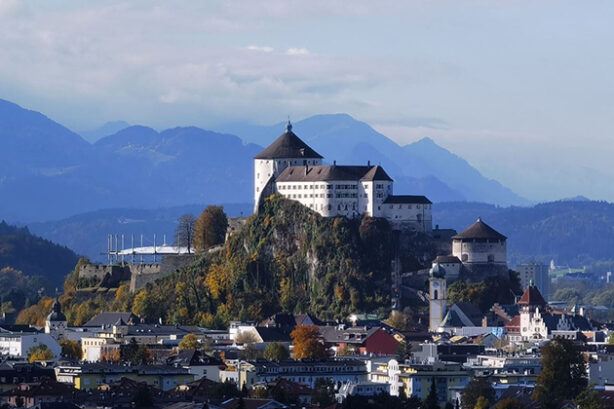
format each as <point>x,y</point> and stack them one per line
<point>92,375</point>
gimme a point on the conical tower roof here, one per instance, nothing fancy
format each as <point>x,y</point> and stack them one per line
<point>288,145</point>
<point>479,230</point>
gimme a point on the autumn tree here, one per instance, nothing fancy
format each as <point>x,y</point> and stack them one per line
<point>40,353</point>
<point>210,228</point>
<point>184,235</point>
<point>308,342</point>
<point>563,374</point>
<point>509,403</point>
<point>190,341</point>
<point>276,352</point>
<point>478,387</point>
<point>71,349</point>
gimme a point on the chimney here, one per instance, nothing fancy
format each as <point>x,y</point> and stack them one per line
<point>369,163</point>
<point>334,163</point>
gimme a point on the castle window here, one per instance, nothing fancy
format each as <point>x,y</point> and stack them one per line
<point>464,257</point>
<point>338,207</point>
<point>257,189</point>
<point>258,175</point>
<point>329,207</point>
<point>435,295</point>
<point>491,258</point>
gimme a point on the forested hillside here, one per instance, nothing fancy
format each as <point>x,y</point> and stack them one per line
<point>575,233</point>
<point>33,255</point>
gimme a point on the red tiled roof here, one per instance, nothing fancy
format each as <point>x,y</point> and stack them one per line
<point>532,296</point>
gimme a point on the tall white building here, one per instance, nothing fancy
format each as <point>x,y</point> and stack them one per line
<point>291,168</point>
<point>437,297</point>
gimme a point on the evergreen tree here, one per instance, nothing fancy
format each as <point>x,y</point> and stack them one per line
<point>431,401</point>
<point>563,374</point>
<point>478,387</point>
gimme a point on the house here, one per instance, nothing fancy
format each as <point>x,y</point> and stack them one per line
<point>360,340</point>
<point>198,363</point>
<point>200,390</point>
<point>361,389</point>
<point>107,319</point>
<point>34,393</point>
<point>306,371</point>
<point>85,376</point>
<point>16,344</point>
<point>415,379</point>
<point>290,391</point>
<point>539,322</point>
<point>250,403</point>
<point>15,373</point>
<point>291,168</point>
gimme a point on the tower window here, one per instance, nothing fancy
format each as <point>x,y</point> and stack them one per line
<point>435,295</point>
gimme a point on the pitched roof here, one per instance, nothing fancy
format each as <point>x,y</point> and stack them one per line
<point>111,318</point>
<point>393,199</point>
<point>480,230</point>
<point>462,314</point>
<point>447,260</point>
<point>376,173</point>
<point>272,334</point>
<point>532,297</point>
<point>288,145</point>
<point>322,173</point>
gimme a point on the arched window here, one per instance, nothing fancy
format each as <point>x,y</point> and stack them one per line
<point>464,257</point>
<point>435,295</point>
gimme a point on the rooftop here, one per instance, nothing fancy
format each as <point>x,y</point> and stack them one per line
<point>479,230</point>
<point>288,145</point>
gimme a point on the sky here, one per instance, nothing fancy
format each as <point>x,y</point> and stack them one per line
<point>521,89</point>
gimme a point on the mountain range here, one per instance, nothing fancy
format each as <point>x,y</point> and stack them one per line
<point>50,172</point>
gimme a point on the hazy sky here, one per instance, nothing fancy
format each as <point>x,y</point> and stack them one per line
<point>522,89</point>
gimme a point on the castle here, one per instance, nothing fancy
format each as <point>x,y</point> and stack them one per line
<point>291,168</point>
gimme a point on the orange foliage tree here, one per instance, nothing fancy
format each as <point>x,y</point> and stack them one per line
<point>308,343</point>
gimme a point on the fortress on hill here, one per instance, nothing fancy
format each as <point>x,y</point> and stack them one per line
<point>291,168</point>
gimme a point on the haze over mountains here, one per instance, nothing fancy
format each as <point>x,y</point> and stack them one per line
<point>43,162</point>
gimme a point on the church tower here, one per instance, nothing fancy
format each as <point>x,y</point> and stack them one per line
<point>437,297</point>
<point>56,321</point>
<point>287,150</point>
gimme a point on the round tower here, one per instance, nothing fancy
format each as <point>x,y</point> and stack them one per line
<point>482,250</point>
<point>287,150</point>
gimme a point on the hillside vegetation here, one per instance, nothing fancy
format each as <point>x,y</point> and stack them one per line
<point>575,233</point>
<point>286,258</point>
<point>34,256</point>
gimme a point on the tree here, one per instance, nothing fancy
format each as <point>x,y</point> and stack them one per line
<point>589,398</point>
<point>478,387</point>
<point>482,403</point>
<point>307,342</point>
<point>184,234</point>
<point>276,352</point>
<point>398,320</point>
<point>71,349</point>
<point>509,403</point>
<point>246,337</point>
<point>210,228</point>
<point>431,401</point>
<point>563,374</point>
<point>190,341</point>
<point>323,392</point>
<point>40,353</point>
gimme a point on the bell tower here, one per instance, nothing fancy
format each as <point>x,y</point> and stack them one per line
<point>437,297</point>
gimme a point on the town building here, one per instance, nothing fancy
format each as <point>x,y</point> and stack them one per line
<point>481,249</point>
<point>536,273</point>
<point>306,372</point>
<point>86,376</point>
<point>437,297</point>
<point>16,344</point>
<point>362,340</point>
<point>291,168</point>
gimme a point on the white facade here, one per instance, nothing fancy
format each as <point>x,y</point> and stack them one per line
<point>292,169</point>
<point>437,302</point>
<point>17,344</point>
<point>266,170</point>
<point>480,251</point>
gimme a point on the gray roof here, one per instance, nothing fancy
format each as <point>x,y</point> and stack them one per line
<point>393,199</point>
<point>111,318</point>
<point>447,259</point>
<point>331,173</point>
<point>479,230</point>
<point>288,145</point>
<point>351,335</point>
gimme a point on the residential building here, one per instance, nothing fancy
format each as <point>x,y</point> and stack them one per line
<point>85,376</point>
<point>360,339</point>
<point>537,274</point>
<point>17,343</point>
